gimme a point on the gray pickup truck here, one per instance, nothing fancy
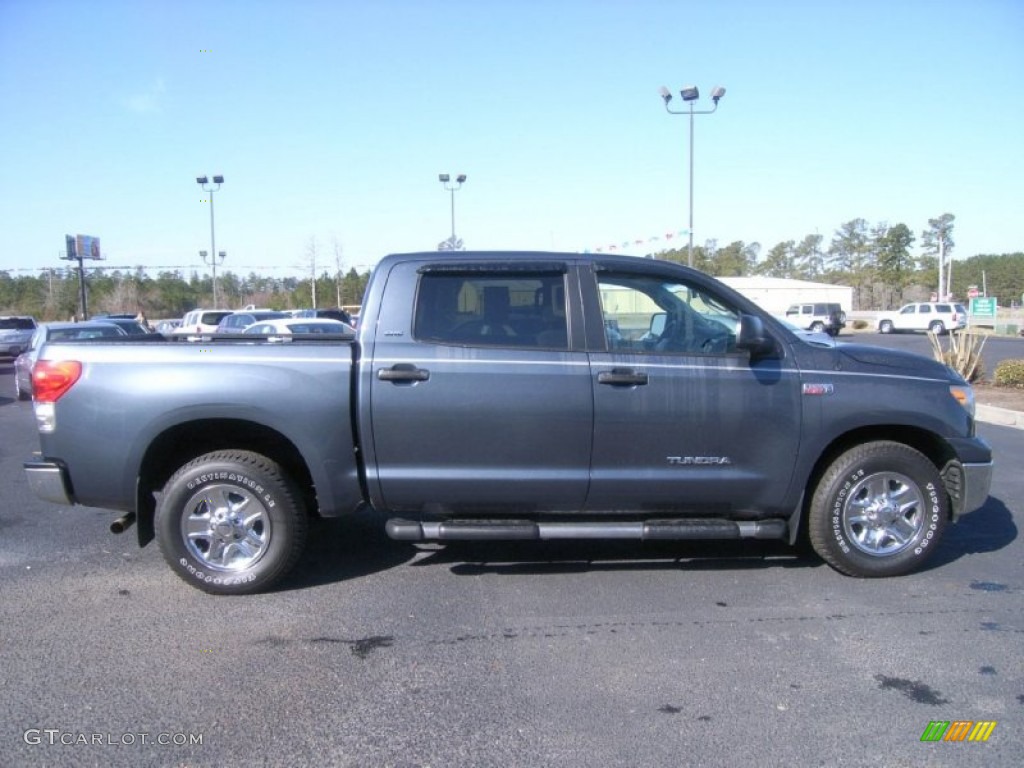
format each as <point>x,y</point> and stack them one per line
<point>514,396</point>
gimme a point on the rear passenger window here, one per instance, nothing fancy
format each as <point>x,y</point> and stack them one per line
<point>498,309</point>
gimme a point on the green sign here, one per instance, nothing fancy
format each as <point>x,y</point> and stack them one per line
<point>984,308</point>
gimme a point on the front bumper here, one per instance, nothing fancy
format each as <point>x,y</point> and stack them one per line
<point>968,486</point>
<point>49,480</point>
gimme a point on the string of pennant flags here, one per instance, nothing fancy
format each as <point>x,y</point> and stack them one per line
<point>631,244</point>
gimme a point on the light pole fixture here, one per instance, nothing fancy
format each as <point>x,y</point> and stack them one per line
<point>203,181</point>
<point>446,180</point>
<point>690,94</point>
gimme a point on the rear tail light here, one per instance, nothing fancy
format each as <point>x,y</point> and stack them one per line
<point>52,378</point>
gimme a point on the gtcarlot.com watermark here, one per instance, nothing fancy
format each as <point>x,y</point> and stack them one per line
<point>54,736</point>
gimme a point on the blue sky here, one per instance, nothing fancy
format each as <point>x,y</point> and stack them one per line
<point>332,120</point>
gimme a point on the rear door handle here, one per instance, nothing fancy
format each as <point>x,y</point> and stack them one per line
<point>622,377</point>
<point>403,372</point>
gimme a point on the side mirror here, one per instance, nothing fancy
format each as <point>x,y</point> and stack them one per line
<point>752,337</point>
<point>657,327</point>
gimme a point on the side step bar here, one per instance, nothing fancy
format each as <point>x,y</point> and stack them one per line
<point>528,530</point>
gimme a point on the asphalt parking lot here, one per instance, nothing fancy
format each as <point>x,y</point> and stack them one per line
<point>377,653</point>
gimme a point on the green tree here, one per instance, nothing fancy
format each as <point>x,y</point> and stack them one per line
<point>895,264</point>
<point>779,262</point>
<point>849,256</point>
<point>809,261</point>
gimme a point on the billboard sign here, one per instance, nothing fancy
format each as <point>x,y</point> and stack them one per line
<point>88,247</point>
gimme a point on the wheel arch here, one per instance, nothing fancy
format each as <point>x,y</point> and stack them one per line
<point>181,443</point>
<point>934,448</point>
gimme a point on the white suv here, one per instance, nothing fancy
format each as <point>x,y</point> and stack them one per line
<point>200,321</point>
<point>937,317</point>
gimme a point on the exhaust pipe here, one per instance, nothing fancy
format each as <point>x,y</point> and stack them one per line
<point>123,523</point>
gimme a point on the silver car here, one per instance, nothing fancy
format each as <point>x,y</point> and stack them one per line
<point>15,334</point>
<point>55,332</point>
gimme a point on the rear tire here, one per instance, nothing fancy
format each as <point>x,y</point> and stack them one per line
<point>879,510</point>
<point>231,523</point>
<point>937,327</point>
<point>818,327</point>
<point>886,326</point>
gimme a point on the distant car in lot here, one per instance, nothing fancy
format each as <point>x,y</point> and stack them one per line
<point>333,314</point>
<point>937,317</point>
<point>127,323</point>
<point>284,328</point>
<point>15,334</point>
<point>92,329</point>
<point>200,321</point>
<point>166,327</point>
<point>820,317</point>
<point>236,322</point>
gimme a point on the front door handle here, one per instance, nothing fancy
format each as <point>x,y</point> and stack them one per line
<point>403,373</point>
<point>622,377</point>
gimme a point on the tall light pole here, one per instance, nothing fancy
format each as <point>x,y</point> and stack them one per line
<point>203,181</point>
<point>445,179</point>
<point>690,94</point>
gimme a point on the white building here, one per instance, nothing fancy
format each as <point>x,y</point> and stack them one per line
<point>776,294</point>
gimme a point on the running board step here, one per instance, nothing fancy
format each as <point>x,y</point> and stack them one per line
<point>528,530</point>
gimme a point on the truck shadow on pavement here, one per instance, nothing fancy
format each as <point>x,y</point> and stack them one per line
<point>340,549</point>
<point>987,529</point>
<point>349,548</point>
<point>567,557</point>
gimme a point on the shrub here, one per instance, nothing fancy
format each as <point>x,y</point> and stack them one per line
<point>1009,373</point>
<point>860,325</point>
<point>963,354</point>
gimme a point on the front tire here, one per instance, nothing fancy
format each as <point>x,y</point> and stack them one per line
<point>879,510</point>
<point>818,327</point>
<point>231,523</point>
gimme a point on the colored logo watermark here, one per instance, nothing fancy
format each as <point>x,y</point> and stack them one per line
<point>958,730</point>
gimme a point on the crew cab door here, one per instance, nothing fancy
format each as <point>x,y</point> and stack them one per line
<point>683,420</point>
<point>479,397</point>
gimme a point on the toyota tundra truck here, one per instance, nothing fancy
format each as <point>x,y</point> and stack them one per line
<point>526,396</point>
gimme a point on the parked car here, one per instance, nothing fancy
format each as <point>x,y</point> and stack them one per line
<point>236,322</point>
<point>15,334</point>
<point>820,317</point>
<point>56,332</point>
<point>166,327</point>
<point>128,323</point>
<point>334,314</point>
<point>937,317</point>
<point>200,321</point>
<point>286,327</point>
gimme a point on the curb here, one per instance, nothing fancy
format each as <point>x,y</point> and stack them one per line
<point>1004,417</point>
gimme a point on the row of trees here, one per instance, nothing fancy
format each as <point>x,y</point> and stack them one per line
<point>53,295</point>
<point>875,259</point>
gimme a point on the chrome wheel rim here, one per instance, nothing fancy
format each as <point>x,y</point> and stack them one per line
<point>226,528</point>
<point>884,513</point>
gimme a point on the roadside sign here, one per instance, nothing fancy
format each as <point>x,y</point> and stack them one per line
<point>983,308</point>
<point>973,292</point>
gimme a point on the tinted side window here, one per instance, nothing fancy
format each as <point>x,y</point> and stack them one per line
<point>482,309</point>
